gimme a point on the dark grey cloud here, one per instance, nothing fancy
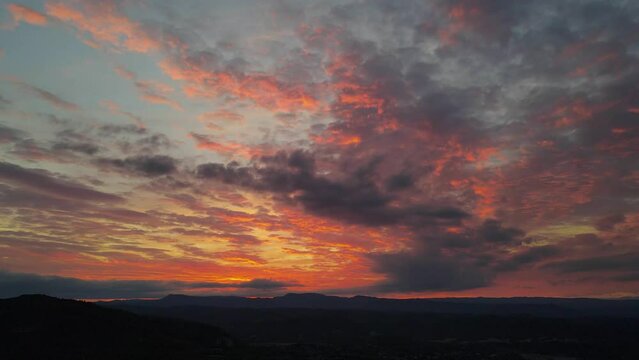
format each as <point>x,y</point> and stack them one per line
<point>31,150</point>
<point>529,256</point>
<point>231,173</point>
<point>84,148</point>
<point>41,181</point>
<point>12,197</point>
<point>626,262</point>
<point>15,284</point>
<point>493,231</point>
<point>631,277</point>
<point>418,271</point>
<point>147,165</point>
<point>443,261</point>
<point>139,144</point>
<point>609,222</point>
<point>398,182</point>
<point>66,145</point>
<point>10,135</point>
<point>111,129</point>
<point>356,199</point>
<point>149,144</point>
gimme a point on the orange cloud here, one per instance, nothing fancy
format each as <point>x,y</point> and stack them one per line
<point>224,115</point>
<point>337,138</point>
<point>104,24</point>
<point>460,16</point>
<point>264,90</point>
<point>151,91</point>
<point>487,193</point>
<point>27,15</point>
<point>228,148</point>
<point>583,70</point>
<point>569,113</point>
<point>157,93</point>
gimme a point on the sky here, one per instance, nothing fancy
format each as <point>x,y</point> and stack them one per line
<point>385,148</point>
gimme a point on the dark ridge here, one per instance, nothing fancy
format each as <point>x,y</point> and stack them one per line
<point>308,326</point>
<point>311,326</point>
<point>43,327</point>
<point>536,306</point>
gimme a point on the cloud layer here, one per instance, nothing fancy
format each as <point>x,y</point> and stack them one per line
<point>446,147</point>
<point>15,284</point>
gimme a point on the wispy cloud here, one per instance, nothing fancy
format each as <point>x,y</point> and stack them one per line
<point>21,13</point>
<point>49,97</point>
<point>15,284</point>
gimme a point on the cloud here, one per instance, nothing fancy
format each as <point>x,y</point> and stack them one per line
<point>398,182</point>
<point>14,284</point>
<point>10,135</point>
<point>265,284</point>
<point>112,129</point>
<point>231,173</point>
<point>104,24</point>
<point>49,97</point>
<point>206,78</point>
<point>3,102</point>
<point>43,182</point>
<point>356,199</point>
<point>26,14</point>
<point>148,165</point>
<point>608,223</point>
<point>461,259</point>
<point>617,262</point>
<point>150,90</point>
<point>417,272</point>
<point>493,231</point>
<point>452,141</point>
<point>226,148</point>
<point>114,108</point>
<point>530,256</point>
<point>221,115</point>
<point>84,148</point>
<point>157,93</point>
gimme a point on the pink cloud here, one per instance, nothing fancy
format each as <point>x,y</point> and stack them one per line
<point>263,89</point>
<point>115,109</point>
<point>228,148</point>
<point>151,91</point>
<point>223,115</point>
<point>104,25</point>
<point>21,13</point>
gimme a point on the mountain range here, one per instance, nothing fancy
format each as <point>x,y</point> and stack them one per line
<point>537,306</point>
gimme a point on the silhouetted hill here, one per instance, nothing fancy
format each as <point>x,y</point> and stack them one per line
<point>552,307</point>
<point>314,326</point>
<point>42,327</point>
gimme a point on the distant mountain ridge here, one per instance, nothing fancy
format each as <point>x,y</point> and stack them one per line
<point>538,306</point>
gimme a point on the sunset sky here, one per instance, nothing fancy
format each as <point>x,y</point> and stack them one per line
<point>386,148</point>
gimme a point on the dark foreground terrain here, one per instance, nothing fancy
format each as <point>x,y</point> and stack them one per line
<point>42,327</point>
<point>312,326</point>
